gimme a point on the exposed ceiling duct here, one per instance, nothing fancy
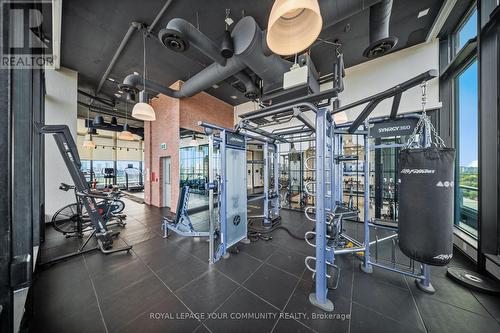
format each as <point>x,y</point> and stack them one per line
<point>250,51</point>
<point>380,41</point>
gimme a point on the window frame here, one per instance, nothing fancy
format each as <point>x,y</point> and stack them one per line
<point>456,139</point>
<point>455,35</point>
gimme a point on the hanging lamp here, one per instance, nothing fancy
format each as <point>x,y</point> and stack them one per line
<point>193,141</point>
<point>125,134</point>
<point>142,110</point>
<point>340,118</point>
<point>87,141</point>
<point>293,26</point>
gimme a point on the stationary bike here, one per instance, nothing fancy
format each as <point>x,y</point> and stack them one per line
<point>73,220</point>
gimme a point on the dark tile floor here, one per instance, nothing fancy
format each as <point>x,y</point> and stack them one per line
<point>168,286</point>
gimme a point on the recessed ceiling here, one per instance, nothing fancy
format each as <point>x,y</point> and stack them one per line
<point>93,29</point>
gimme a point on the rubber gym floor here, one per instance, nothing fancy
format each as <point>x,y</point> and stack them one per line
<point>162,283</point>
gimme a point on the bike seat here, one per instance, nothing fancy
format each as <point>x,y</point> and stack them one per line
<point>65,187</point>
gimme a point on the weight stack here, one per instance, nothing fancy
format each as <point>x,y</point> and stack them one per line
<point>426,197</point>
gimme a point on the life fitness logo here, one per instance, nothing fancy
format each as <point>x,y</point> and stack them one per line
<point>445,184</point>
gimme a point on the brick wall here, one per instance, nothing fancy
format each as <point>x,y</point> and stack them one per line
<point>164,130</point>
<point>172,114</point>
<point>206,108</point>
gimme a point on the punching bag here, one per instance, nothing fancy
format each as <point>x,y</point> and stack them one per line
<point>426,197</point>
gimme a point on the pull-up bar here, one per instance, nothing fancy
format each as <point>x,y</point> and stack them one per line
<point>374,100</point>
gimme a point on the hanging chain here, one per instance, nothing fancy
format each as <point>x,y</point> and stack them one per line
<point>424,125</point>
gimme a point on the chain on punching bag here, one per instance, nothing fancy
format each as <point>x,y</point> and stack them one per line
<point>426,194</point>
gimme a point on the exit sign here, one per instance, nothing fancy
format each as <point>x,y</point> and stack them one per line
<point>163,146</point>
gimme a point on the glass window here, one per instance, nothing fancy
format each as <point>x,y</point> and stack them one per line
<point>85,168</point>
<point>466,31</point>
<point>132,169</point>
<point>467,149</point>
<point>99,171</point>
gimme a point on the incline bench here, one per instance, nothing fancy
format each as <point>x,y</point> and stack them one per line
<point>181,224</point>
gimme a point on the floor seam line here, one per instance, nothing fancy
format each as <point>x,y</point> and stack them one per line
<point>350,305</point>
<point>96,296</point>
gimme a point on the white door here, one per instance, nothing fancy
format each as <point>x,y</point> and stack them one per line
<point>167,184</point>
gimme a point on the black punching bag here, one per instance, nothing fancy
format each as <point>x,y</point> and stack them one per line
<point>426,196</point>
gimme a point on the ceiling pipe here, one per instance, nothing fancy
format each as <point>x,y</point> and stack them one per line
<point>134,26</point>
<point>99,99</point>
<point>380,41</point>
<point>180,34</point>
<point>158,17</point>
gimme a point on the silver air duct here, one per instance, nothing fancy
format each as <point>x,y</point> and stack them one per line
<point>250,51</point>
<point>380,41</point>
<point>180,34</point>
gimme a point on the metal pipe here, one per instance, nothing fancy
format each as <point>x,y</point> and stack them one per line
<point>211,215</point>
<point>267,220</point>
<point>266,112</point>
<point>383,239</point>
<point>158,17</point>
<point>352,240</point>
<point>426,76</point>
<point>99,99</point>
<point>366,204</point>
<point>350,250</point>
<point>276,162</point>
<point>420,277</point>
<point>133,26</point>
<point>320,283</point>
<point>312,98</point>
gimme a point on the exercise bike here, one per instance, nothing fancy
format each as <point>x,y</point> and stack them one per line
<point>73,220</point>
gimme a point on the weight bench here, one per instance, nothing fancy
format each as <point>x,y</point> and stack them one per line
<point>181,224</point>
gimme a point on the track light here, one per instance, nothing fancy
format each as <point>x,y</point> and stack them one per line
<point>88,142</point>
<point>293,25</point>
<point>193,141</point>
<point>114,121</point>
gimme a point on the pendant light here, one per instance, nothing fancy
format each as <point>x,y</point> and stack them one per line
<point>193,141</point>
<point>125,134</point>
<point>227,46</point>
<point>293,25</point>
<point>88,142</point>
<point>142,110</point>
<point>340,118</point>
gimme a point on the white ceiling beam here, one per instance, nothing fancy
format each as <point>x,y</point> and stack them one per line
<point>443,14</point>
<point>56,32</point>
